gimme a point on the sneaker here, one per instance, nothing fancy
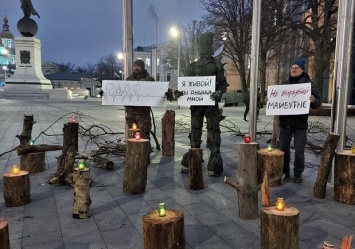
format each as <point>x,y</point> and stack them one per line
<point>297,179</point>
<point>211,173</point>
<point>184,169</point>
<point>245,120</point>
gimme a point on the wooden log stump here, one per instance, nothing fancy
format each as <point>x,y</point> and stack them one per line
<point>271,162</point>
<point>17,189</point>
<point>279,229</point>
<point>82,200</point>
<point>164,232</point>
<point>325,165</point>
<point>168,133</point>
<point>135,169</point>
<point>4,234</point>
<point>195,169</point>
<point>344,177</point>
<point>246,182</point>
<point>33,162</point>
<point>26,134</point>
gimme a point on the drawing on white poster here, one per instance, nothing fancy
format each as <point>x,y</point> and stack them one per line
<point>288,99</point>
<point>197,90</point>
<point>134,93</point>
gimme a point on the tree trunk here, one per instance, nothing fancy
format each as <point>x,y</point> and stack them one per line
<point>17,189</point>
<point>275,139</point>
<point>26,149</point>
<point>33,162</point>
<point>168,133</point>
<point>135,169</point>
<point>247,181</point>
<point>271,163</point>
<point>4,234</point>
<point>325,165</point>
<point>82,200</point>
<point>279,229</point>
<point>66,160</point>
<point>195,169</point>
<point>164,232</point>
<point>26,134</point>
<point>344,177</point>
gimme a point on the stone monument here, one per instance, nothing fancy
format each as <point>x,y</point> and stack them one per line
<point>28,80</point>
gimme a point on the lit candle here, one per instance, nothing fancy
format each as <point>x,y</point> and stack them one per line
<point>81,165</point>
<point>15,170</point>
<point>161,210</point>
<point>134,126</point>
<point>137,136</point>
<point>32,142</point>
<point>247,138</point>
<point>269,148</point>
<point>280,204</point>
<point>73,120</point>
<point>353,149</point>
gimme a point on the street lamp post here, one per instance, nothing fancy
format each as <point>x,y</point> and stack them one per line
<point>174,32</point>
<point>5,72</point>
<point>120,57</point>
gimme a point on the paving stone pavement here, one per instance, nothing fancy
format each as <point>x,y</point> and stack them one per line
<point>210,215</point>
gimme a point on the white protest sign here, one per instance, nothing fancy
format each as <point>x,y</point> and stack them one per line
<point>288,99</point>
<point>134,93</point>
<point>197,90</point>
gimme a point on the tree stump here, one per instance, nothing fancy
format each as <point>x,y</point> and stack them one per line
<point>344,177</point>
<point>246,182</point>
<point>33,162</point>
<point>164,232</point>
<point>271,162</point>
<point>279,229</point>
<point>82,200</point>
<point>325,165</point>
<point>168,133</point>
<point>135,169</point>
<point>195,169</point>
<point>4,234</point>
<point>17,189</point>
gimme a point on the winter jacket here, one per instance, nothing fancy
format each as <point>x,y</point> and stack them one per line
<point>300,121</point>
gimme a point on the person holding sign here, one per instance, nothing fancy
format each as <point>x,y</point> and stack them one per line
<point>139,115</point>
<point>207,65</point>
<point>296,125</point>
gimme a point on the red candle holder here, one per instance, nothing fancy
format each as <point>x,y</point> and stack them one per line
<point>73,120</point>
<point>137,136</point>
<point>247,139</point>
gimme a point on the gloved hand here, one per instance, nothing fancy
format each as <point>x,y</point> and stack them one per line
<point>178,93</point>
<point>217,95</point>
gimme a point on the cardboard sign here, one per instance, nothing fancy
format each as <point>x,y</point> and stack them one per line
<point>134,93</point>
<point>288,99</point>
<point>197,90</point>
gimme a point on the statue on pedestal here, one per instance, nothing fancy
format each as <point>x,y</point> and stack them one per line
<point>27,26</point>
<point>27,8</point>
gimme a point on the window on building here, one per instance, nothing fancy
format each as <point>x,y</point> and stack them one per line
<point>147,62</point>
<point>168,76</point>
<point>158,62</point>
<point>12,59</point>
<point>9,43</point>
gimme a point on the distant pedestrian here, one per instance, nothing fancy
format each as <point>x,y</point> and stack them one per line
<point>246,101</point>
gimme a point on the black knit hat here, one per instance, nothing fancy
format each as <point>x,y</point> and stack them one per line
<point>139,63</point>
<point>299,62</point>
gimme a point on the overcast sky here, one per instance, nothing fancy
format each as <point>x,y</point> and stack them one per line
<point>83,31</point>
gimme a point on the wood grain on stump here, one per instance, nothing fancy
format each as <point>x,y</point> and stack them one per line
<point>279,229</point>
<point>195,169</point>
<point>17,189</point>
<point>168,133</point>
<point>135,169</point>
<point>82,200</point>
<point>33,162</point>
<point>344,177</point>
<point>271,162</point>
<point>4,234</point>
<point>164,232</point>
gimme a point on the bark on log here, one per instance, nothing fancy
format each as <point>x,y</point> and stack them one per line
<point>247,181</point>
<point>344,177</point>
<point>265,193</point>
<point>279,229</point>
<point>26,134</point>
<point>164,232</point>
<point>82,200</point>
<point>33,162</point>
<point>271,162</point>
<point>135,169</point>
<point>102,163</point>
<point>195,169</point>
<point>168,133</point>
<point>17,189</point>
<point>22,150</point>
<point>346,242</point>
<point>325,165</point>
<point>4,234</point>
<point>66,160</point>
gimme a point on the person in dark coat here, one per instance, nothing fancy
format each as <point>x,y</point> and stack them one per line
<point>296,125</point>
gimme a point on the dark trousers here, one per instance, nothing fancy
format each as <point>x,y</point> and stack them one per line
<point>300,139</point>
<point>247,110</point>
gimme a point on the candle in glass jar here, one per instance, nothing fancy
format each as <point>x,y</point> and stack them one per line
<point>73,120</point>
<point>280,204</point>
<point>137,136</point>
<point>269,148</point>
<point>134,126</point>
<point>15,170</point>
<point>161,210</point>
<point>81,165</point>
<point>247,138</point>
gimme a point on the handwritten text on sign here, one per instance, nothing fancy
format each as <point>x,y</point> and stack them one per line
<point>197,90</point>
<point>134,93</point>
<point>288,99</point>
